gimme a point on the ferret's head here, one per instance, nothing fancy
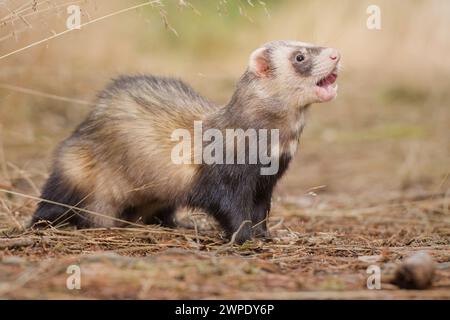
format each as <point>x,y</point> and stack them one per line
<point>297,72</point>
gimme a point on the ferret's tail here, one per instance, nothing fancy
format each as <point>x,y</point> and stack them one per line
<point>57,196</point>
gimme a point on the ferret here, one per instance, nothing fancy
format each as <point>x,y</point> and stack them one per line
<point>116,166</point>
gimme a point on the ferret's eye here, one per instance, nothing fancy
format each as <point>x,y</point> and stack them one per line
<point>299,58</point>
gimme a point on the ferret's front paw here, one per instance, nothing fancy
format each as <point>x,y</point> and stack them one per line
<point>261,231</point>
<point>244,234</point>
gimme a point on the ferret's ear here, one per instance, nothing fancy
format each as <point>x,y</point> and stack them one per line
<point>259,62</point>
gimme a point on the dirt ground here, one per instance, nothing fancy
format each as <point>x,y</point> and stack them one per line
<point>370,185</point>
<point>316,252</point>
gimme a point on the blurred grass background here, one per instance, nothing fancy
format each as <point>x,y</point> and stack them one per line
<point>388,130</point>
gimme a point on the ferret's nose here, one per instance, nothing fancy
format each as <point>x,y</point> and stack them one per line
<point>334,55</point>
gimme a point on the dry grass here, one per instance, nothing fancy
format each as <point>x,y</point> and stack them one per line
<point>371,179</point>
<point>313,254</point>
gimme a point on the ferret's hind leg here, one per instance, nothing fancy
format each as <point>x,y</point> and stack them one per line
<point>55,208</point>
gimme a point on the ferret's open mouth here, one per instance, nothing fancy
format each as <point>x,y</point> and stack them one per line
<point>326,87</point>
<point>328,80</point>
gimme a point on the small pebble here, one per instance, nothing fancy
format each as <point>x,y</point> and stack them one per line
<point>415,272</point>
